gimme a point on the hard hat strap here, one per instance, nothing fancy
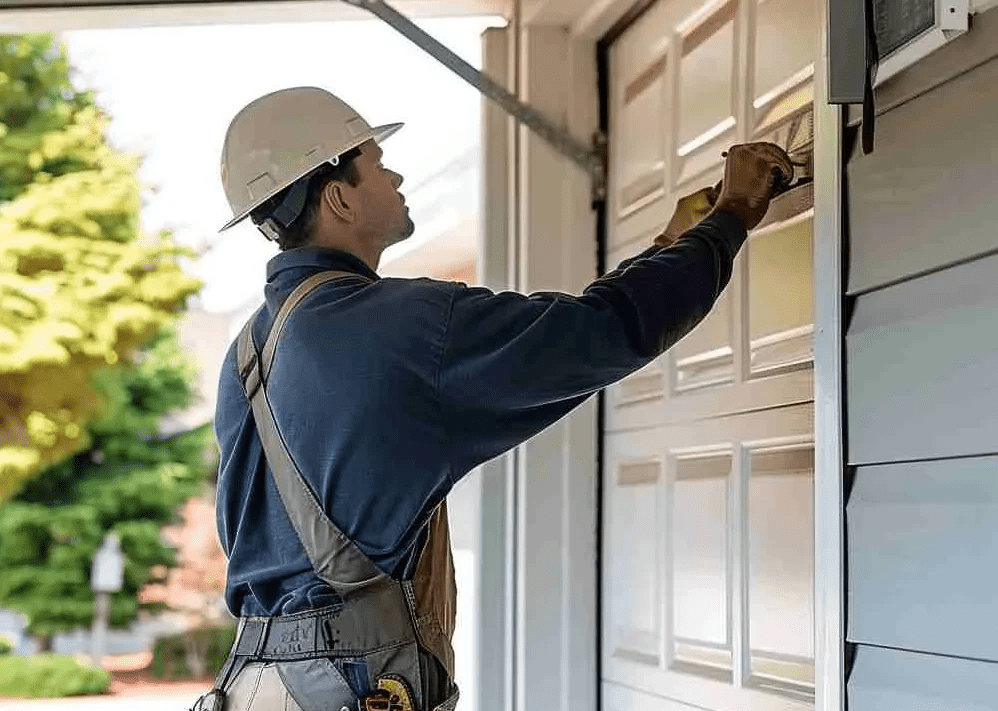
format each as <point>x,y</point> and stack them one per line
<point>292,204</point>
<point>269,229</point>
<point>273,223</point>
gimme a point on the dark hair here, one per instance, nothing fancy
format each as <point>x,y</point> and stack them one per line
<point>299,232</point>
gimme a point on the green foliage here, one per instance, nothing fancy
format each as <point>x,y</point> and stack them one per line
<point>80,287</point>
<point>6,645</point>
<point>171,654</point>
<point>49,534</point>
<point>49,676</point>
<point>36,99</point>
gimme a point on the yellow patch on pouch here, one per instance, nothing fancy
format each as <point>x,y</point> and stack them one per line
<point>392,695</point>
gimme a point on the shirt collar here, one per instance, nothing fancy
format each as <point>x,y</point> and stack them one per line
<point>318,258</point>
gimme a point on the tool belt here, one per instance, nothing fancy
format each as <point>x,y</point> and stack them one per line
<point>327,632</point>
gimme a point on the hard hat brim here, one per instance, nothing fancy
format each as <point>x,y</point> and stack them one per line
<point>378,134</point>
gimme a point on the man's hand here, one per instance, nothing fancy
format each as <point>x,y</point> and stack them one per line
<point>749,177</point>
<point>689,211</point>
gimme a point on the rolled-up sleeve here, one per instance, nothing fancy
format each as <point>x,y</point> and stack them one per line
<point>514,364</point>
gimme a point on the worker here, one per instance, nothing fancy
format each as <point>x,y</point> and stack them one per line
<point>351,404</point>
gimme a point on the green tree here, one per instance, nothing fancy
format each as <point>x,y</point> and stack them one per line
<point>128,481</point>
<point>80,287</point>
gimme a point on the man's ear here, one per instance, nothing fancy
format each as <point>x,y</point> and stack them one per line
<point>336,197</point>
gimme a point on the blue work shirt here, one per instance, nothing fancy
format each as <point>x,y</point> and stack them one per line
<point>388,391</point>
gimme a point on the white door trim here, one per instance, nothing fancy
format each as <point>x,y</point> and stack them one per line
<point>828,455</point>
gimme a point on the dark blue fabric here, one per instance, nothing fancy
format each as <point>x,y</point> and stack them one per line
<point>388,391</point>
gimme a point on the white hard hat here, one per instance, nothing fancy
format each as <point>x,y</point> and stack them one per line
<point>284,136</point>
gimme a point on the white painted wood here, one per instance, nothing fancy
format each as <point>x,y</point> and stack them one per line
<point>779,553</point>
<point>922,357</point>
<point>622,698</point>
<point>496,560</point>
<point>829,543</point>
<point>594,20</point>
<point>634,521</point>
<point>739,572</point>
<point>556,573</point>
<point>888,680</point>
<point>708,88</point>
<point>699,555</point>
<point>779,54</point>
<point>698,692</point>
<point>640,513</point>
<point>137,14</point>
<point>923,557</point>
<point>678,612</point>
<point>781,348</point>
<point>779,307</point>
<point>644,398</point>
<point>642,117</point>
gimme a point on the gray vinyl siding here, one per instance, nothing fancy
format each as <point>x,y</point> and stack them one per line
<point>894,680</point>
<point>923,557</point>
<point>921,365</point>
<point>931,183</point>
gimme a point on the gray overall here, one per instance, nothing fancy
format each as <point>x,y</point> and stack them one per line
<point>398,631</point>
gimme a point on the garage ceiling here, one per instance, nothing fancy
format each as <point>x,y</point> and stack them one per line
<point>460,7</point>
<point>40,15</point>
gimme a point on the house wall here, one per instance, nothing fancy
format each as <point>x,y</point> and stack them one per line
<point>920,360</point>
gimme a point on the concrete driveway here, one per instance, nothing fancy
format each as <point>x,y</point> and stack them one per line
<point>165,701</point>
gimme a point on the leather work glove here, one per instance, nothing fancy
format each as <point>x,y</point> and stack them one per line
<point>689,211</point>
<point>752,173</point>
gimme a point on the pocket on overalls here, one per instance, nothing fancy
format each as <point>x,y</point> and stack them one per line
<point>356,674</point>
<point>317,685</point>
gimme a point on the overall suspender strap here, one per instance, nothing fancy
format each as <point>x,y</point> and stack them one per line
<point>377,612</point>
<point>335,558</point>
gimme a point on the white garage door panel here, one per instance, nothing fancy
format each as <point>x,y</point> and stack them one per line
<point>922,360</point>
<point>923,557</point>
<point>777,305</point>
<point>925,197</point>
<point>639,228</point>
<point>632,617</point>
<point>707,603</point>
<point>673,503</point>
<point>640,201</point>
<point>780,54</point>
<point>690,692</point>
<point>891,680</point>
<point>621,698</point>
<point>642,399</point>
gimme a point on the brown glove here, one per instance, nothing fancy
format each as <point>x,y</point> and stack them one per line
<point>689,211</point>
<point>750,175</point>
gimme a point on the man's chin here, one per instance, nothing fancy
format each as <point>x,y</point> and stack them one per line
<point>407,230</point>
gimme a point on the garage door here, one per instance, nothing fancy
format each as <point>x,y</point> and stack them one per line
<point>708,541</point>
